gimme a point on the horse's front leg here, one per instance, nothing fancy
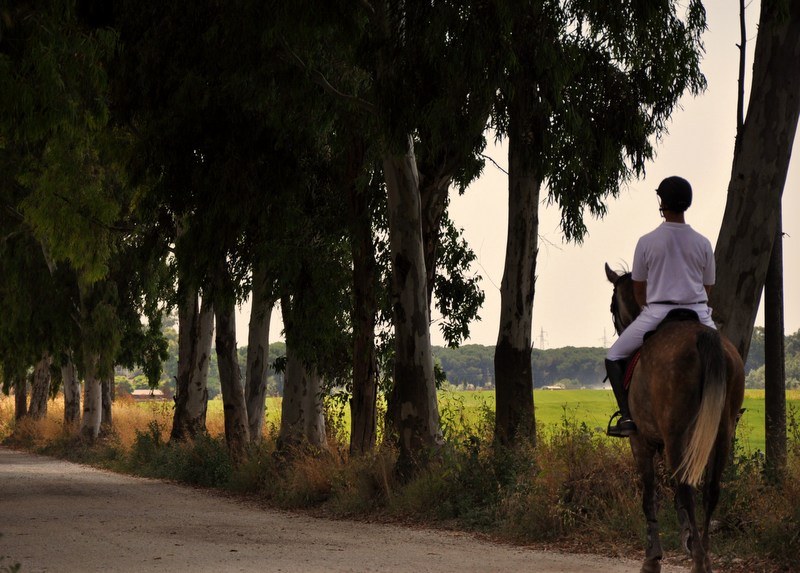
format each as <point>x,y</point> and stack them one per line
<point>644,460</point>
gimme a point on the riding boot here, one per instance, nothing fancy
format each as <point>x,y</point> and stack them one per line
<point>616,376</point>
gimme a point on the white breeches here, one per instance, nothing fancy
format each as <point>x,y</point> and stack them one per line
<point>650,317</point>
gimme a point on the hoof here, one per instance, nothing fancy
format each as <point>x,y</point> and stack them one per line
<point>686,541</point>
<point>653,566</point>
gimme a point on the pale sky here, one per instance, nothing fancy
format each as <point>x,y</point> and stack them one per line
<point>571,304</point>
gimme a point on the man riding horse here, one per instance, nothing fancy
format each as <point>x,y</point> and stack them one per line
<point>673,267</point>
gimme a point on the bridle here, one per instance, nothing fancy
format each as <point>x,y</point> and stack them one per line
<point>620,322</point>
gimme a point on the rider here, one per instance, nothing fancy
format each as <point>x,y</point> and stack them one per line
<point>673,267</point>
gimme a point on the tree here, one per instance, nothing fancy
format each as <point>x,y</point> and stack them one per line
<point>775,360</point>
<point>196,329</point>
<point>257,364</point>
<point>760,162</point>
<point>587,90</point>
<point>775,356</point>
<point>53,126</point>
<point>402,58</point>
<point>40,387</point>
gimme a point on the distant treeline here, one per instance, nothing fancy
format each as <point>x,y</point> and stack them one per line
<point>472,366</point>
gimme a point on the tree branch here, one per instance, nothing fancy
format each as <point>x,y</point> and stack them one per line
<point>318,78</point>
<point>495,163</point>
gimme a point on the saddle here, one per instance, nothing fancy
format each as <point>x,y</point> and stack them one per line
<point>675,315</point>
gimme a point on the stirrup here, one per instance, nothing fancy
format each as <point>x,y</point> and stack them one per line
<point>622,429</point>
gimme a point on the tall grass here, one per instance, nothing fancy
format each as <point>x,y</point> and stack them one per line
<point>577,486</point>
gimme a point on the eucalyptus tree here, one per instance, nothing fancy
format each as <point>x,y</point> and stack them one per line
<point>406,71</point>
<point>222,143</point>
<point>758,174</point>
<point>53,125</point>
<point>36,320</point>
<point>170,86</point>
<point>588,91</point>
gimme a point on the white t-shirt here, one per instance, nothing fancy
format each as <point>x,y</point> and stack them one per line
<point>676,262</point>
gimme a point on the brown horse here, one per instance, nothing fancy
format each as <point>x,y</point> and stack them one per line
<point>685,395</point>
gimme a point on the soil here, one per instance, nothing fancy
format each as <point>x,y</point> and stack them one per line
<point>57,516</point>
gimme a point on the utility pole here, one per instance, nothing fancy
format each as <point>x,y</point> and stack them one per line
<point>541,338</point>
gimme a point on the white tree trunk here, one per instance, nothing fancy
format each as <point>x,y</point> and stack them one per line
<point>414,411</point>
<point>92,399</point>
<point>230,378</point>
<point>72,393</point>
<point>195,335</point>
<point>302,408</point>
<point>197,402</point>
<point>40,387</point>
<point>257,370</point>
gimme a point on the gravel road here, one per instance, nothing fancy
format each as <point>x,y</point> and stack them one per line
<point>56,516</point>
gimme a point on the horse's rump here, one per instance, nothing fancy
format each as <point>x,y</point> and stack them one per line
<point>681,394</point>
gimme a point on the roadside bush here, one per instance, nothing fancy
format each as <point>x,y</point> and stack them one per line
<point>202,461</point>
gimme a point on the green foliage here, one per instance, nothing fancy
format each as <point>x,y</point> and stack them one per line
<point>458,294</point>
<point>755,360</point>
<point>599,83</point>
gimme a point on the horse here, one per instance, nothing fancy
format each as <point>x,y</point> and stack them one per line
<point>685,396</point>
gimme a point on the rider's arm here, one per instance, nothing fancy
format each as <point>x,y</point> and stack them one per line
<point>640,292</point>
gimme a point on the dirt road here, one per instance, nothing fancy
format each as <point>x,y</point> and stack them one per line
<point>60,517</point>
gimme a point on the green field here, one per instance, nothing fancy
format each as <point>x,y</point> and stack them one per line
<point>554,407</point>
<point>594,407</point>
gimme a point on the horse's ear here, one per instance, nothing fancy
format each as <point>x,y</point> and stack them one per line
<point>612,276</point>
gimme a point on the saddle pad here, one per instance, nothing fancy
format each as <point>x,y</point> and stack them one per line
<point>629,370</point>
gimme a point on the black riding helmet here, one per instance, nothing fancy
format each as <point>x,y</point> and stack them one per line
<point>675,193</point>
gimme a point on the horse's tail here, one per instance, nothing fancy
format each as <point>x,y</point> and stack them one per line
<point>703,432</point>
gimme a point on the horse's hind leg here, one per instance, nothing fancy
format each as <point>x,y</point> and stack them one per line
<point>644,460</point>
<point>683,520</point>
<point>711,489</point>
<point>685,499</point>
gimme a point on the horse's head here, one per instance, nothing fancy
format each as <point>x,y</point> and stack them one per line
<point>624,307</point>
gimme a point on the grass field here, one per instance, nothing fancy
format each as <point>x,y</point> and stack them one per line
<point>594,407</point>
<point>554,408</point>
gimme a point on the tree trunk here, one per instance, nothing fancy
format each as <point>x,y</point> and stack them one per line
<point>363,404</point>
<point>758,176</point>
<point>20,397</point>
<point>514,420</point>
<point>302,409</point>
<point>92,398</point>
<point>775,361</point>
<point>40,387</point>
<point>72,393</point>
<point>195,334</point>
<point>433,198</point>
<point>107,390</point>
<point>257,369</point>
<point>414,408</point>
<point>230,378</point>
